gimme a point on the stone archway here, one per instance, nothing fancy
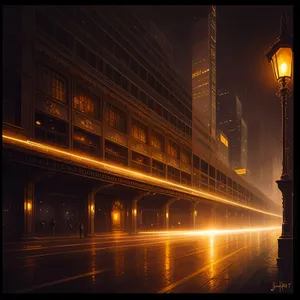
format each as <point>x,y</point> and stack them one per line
<point>117,216</point>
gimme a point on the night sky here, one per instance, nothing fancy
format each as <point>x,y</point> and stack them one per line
<point>244,35</point>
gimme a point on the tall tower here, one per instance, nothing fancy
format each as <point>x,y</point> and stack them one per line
<point>204,72</point>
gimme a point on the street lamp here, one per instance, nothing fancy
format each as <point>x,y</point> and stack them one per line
<point>281,57</point>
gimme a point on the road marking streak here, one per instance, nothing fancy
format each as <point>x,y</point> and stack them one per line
<point>92,249</point>
<point>175,284</point>
<point>47,284</point>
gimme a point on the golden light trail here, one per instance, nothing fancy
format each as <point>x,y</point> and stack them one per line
<point>126,171</point>
<point>211,232</point>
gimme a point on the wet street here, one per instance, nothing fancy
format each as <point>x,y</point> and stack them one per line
<point>178,262</point>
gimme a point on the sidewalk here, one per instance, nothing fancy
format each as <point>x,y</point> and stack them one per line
<point>264,278</point>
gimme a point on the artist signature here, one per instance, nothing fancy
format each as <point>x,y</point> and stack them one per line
<point>281,286</point>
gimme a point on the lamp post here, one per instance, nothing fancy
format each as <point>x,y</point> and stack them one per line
<point>281,57</point>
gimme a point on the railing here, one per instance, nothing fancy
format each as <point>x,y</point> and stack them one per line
<point>158,173</point>
<point>139,166</point>
<point>115,158</point>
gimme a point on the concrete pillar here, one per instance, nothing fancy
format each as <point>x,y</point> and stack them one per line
<point>166,211</point>
<point>132,210</point>
<point>88,210</point>
<point>29,203</point>
<point>29,209</point>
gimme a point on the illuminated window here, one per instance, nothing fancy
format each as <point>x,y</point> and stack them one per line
<point>139,131</point>
<point>140,162</point>
<point>86,102</point>
<point>156,141</point>
<point>52,84</point>
<point>173,149</point>
<point>185,158</point>
<point>224,140</point>
<point>115,118</point>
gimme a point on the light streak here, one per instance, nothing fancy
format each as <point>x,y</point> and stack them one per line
<point>126,171</point>
<point>211,232</point>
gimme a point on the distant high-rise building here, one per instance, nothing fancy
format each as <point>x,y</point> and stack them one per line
<point>204,74</point>
<point>230,121</point>
<point>244,143</point>
<point>222,142</point>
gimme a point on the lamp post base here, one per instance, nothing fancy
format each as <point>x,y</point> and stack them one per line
<point>285,253</point>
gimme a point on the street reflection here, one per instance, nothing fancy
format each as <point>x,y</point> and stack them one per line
<point>258,241</point>
<point>119,262</point>
<point>93,261</point>
<point>212,259</point>
<point>167,263</point>
<point>145,261</point>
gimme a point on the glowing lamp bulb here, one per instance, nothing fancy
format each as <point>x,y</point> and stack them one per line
<point>29,206</point>
<point>283,68</point>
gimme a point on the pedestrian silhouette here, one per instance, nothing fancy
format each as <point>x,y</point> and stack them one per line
<point>53,226</point>
<point>81,228</point>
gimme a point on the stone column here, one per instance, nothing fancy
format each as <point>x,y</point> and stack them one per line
<point>166,216</point>
<point>29,203</point>
<point>132,210</point>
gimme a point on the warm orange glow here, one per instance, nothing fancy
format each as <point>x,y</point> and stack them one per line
<point>92,208</point>
<point>210,232</point>
<point>195,213</point>
<point>241,171</point>
<point>126,172</point>
<point>224,140</point>
<point>167,215</point>
<point>134,212</point>
<point>116,215</point>
<point>283,68</point>
<point>38,123</point>
<point>282,63</point>
<point>29,206</point>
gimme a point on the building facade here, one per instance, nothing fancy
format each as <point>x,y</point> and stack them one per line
<point>90,93</point>
<point>204,72</point>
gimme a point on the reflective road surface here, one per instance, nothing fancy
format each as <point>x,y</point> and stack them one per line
<point>178,262</point>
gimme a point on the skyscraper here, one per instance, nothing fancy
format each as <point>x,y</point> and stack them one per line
<point>204,74</point>
<point>230,121</point>
<point>244,143</point>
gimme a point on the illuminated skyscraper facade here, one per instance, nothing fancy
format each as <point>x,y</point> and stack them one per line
<point>204,74</point>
